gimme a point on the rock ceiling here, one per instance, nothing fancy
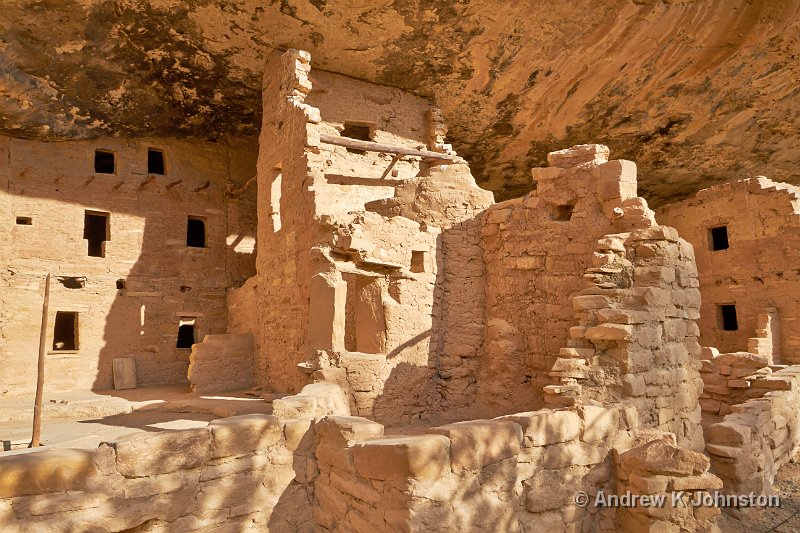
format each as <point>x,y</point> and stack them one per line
<point>695,92</point>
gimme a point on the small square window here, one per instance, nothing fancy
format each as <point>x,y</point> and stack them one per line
<point>417,261</point>
<point>24,221</point>
<point>196,232</point>
<point>104,162</point>
<point>155,161</point>
<point>727,317</point>
<point>120,284</point>
<point>354,130</point>
<point>718,238</point>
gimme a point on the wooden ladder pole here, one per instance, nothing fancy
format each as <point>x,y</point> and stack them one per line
<point>37,407</point>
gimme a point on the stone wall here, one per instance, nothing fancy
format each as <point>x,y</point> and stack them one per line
<point>759,436</point>
<point>733,378</point>
<point>756,271</point>
<point>130,302</point>
<point>636,338</point>
<point>310,470</point>
<point>237,474</point>
<point>537,251</point>
<point>352,263</point>
<point>515,473</point>
<point>678,477</point>
<point>221,363</point>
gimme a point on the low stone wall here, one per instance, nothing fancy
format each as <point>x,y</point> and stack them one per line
<point>733,378</point>
<point>221,363</point>
<point>758,436</point>
<point>677,477</point>
<point>239,473</point>
<point>514,473</point>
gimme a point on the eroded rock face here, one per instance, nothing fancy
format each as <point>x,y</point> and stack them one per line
<point>695,92</point>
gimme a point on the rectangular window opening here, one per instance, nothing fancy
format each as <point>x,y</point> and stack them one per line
<point>120,284</point>
<point>718,238</point>
<point>185,335</point>
<point>24,221</point>
<point>196,232</point>
<point>155,161</point>
<point>65,331</point>
<point>727,317</point>
<point>417,261</point>
<point>359,132</point>
<point>104,162</point>
<point>96,232</point>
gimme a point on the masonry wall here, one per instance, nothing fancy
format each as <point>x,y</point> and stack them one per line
<point>759,436</point>
<point>54,184</point>
<point>516,473</point>
<point>536,251</point>
<point>317,469</point>
<point>758,269</point>
<point>636,339</point>
<point>238,474</point>
<point>351,262</point>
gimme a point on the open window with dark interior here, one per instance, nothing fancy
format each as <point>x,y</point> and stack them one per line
<point>561,213</point>
<point>358,131</point>
<point>104,162</point>
<point>155,161</point>
<point>718,238</point>
<point>65,331</point>
<point>185,334</point>
<point>196,232</point>
<point>727,317</point>
<point>417,261</point>
<point>24,221</point>
<point>96,232</point>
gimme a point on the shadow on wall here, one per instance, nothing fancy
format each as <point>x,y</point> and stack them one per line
<point>163,280</point>
<point>446,379</point>
<point>239,474</point>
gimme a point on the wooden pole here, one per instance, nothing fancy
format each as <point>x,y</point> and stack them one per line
<point>370,146</point>
<point>37,408</point>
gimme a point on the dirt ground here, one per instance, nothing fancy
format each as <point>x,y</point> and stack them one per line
<point>85,420</point>
<point>785,519</point>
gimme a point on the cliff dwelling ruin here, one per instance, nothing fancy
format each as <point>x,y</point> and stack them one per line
<point>317,315</point>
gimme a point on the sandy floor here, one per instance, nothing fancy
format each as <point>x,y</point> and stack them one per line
<point>785,519</point>
<point>85,420</point>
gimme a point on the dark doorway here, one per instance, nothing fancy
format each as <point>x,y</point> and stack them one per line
<point>718,238</point>
<point>196,232</point>
<point>95,231</point>
<point>104,162</point>
<point>65,331</point>
<point>185,336</point>
<point>155,161</point>
<point>727,317</point>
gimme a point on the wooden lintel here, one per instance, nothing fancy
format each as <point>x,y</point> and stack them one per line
<point>201,187</point>
<point>370,146</point>
<point>147,180</point>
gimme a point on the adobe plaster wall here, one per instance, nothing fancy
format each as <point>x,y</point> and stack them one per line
<point>54,184</point>
<point>351,260</point>
<point>758,269</point>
